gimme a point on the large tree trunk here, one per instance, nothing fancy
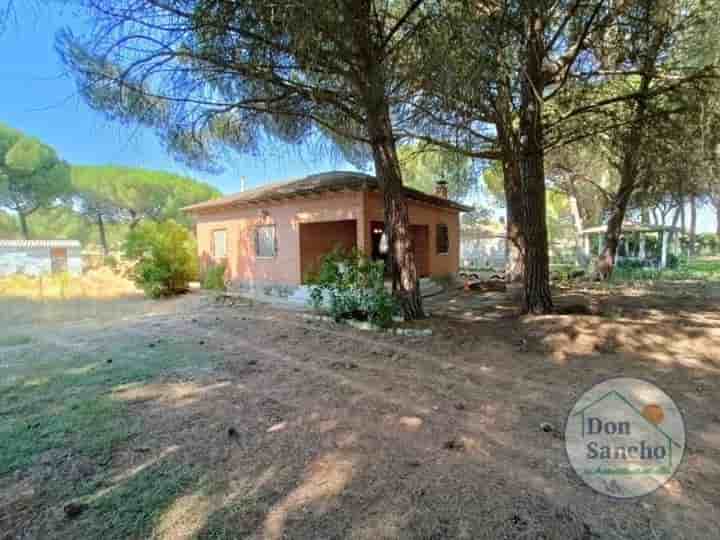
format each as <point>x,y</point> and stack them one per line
<point>693,224</point>
<point>24,225</point>
<point>629,170</point>
<point>397,220</point>
<point>630,164</point>
<point>103,237</point>
<point>606,261</point>
<point>512,186</point>
<point>578,223</point>
<point>537,297</point>
<point>515,265</point>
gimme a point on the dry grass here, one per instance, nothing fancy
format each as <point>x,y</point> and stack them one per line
<point>100,283</point>
<point>252,423</point>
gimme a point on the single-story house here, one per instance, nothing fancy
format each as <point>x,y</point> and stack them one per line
<point>276,235</point>
<point>38,257</point>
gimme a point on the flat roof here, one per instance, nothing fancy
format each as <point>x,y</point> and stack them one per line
<point>317,183</point>
<point>39,243</point>
<point>633,227</point>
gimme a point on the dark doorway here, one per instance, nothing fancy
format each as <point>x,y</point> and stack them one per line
<point>58,260</point>
<point>420,246</point>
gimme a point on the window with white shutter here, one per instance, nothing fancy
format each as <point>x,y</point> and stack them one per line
<point>265,241</point>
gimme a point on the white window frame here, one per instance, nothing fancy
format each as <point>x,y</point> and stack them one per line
<point>273,228</point>
<point>225,244</point>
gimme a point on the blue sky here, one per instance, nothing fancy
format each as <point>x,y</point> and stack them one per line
<point>39,99</point>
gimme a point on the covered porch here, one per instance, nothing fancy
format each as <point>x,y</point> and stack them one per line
<point>318,239</point>
<point>649,244</point>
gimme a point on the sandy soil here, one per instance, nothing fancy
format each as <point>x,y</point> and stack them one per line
<point>307,430</point>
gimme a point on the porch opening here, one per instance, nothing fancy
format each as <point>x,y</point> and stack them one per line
<point>420,237</point>
<point>318,239</point>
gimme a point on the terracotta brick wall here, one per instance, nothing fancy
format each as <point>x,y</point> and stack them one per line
<point>287,266</point>
<point>287,216</point>
<point>425,214</point>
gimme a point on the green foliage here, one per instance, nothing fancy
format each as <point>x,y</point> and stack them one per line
<point>214,278</point>
<point>32,176</point>
<point>423,166</point>
<point>708,243</point>
<point>129,194</point>
<point>8,226</point>
<point>354,287</point>
<point>166,257</point>
<point>695,269</point>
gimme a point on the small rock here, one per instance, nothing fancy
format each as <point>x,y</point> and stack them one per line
<point>85,470</point>
<point>74,509</point>
<point>252,362</point>
<point>454,444</point>
<point>109,361</point>
<point>232,432</point>
<point>141,449</point>
<point>194,320</point>
<point>201,342</point>
<point>460,406</point>
<point>414,463</point>
<point>151,345</point>
<point>435,408</point>
<point>547,427</point>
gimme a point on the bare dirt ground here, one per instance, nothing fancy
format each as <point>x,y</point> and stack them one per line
<point>275,427</point>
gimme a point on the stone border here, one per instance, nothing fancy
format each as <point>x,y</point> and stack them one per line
<point>370,327</point>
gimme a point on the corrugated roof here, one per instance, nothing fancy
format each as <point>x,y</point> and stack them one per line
<point>39,243</point>
<point>317,183</point>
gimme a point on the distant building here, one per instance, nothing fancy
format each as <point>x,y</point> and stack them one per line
<point>483,246</point>
<point>38,257</point>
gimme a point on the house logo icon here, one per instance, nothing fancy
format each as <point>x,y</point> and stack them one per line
<point>625,437</point>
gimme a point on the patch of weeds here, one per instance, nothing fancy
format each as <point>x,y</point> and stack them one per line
<point>239,518</point>
<point>14,341</point>
<point>50,402</point>
<point>134,508</point>
<point>91,426</point>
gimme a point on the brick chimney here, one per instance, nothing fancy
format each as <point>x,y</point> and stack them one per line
<point>441,189</point>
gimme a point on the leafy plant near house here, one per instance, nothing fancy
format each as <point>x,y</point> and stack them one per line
<point>214,278</point>
<point>353,287</point>
<point>165,254</point>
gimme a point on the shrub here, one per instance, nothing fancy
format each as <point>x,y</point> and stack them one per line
<point>111,262</point>
<point>214,278</point>
<point>354,287</point>
<point>166,257</point>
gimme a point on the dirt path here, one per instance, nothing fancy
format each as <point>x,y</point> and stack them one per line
<point>304,430</point>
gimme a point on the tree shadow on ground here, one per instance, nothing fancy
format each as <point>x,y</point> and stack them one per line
<point>304,430</point>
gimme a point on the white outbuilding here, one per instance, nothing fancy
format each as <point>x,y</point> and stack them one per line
<point>38,257</point>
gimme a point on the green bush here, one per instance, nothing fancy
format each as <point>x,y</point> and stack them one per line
<point>166,257</point>
<point>111,262</point>
<point>354,286</point>
<point>214,278</point>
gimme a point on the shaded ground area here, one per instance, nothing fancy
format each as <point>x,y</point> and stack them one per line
<point>196,421</point>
